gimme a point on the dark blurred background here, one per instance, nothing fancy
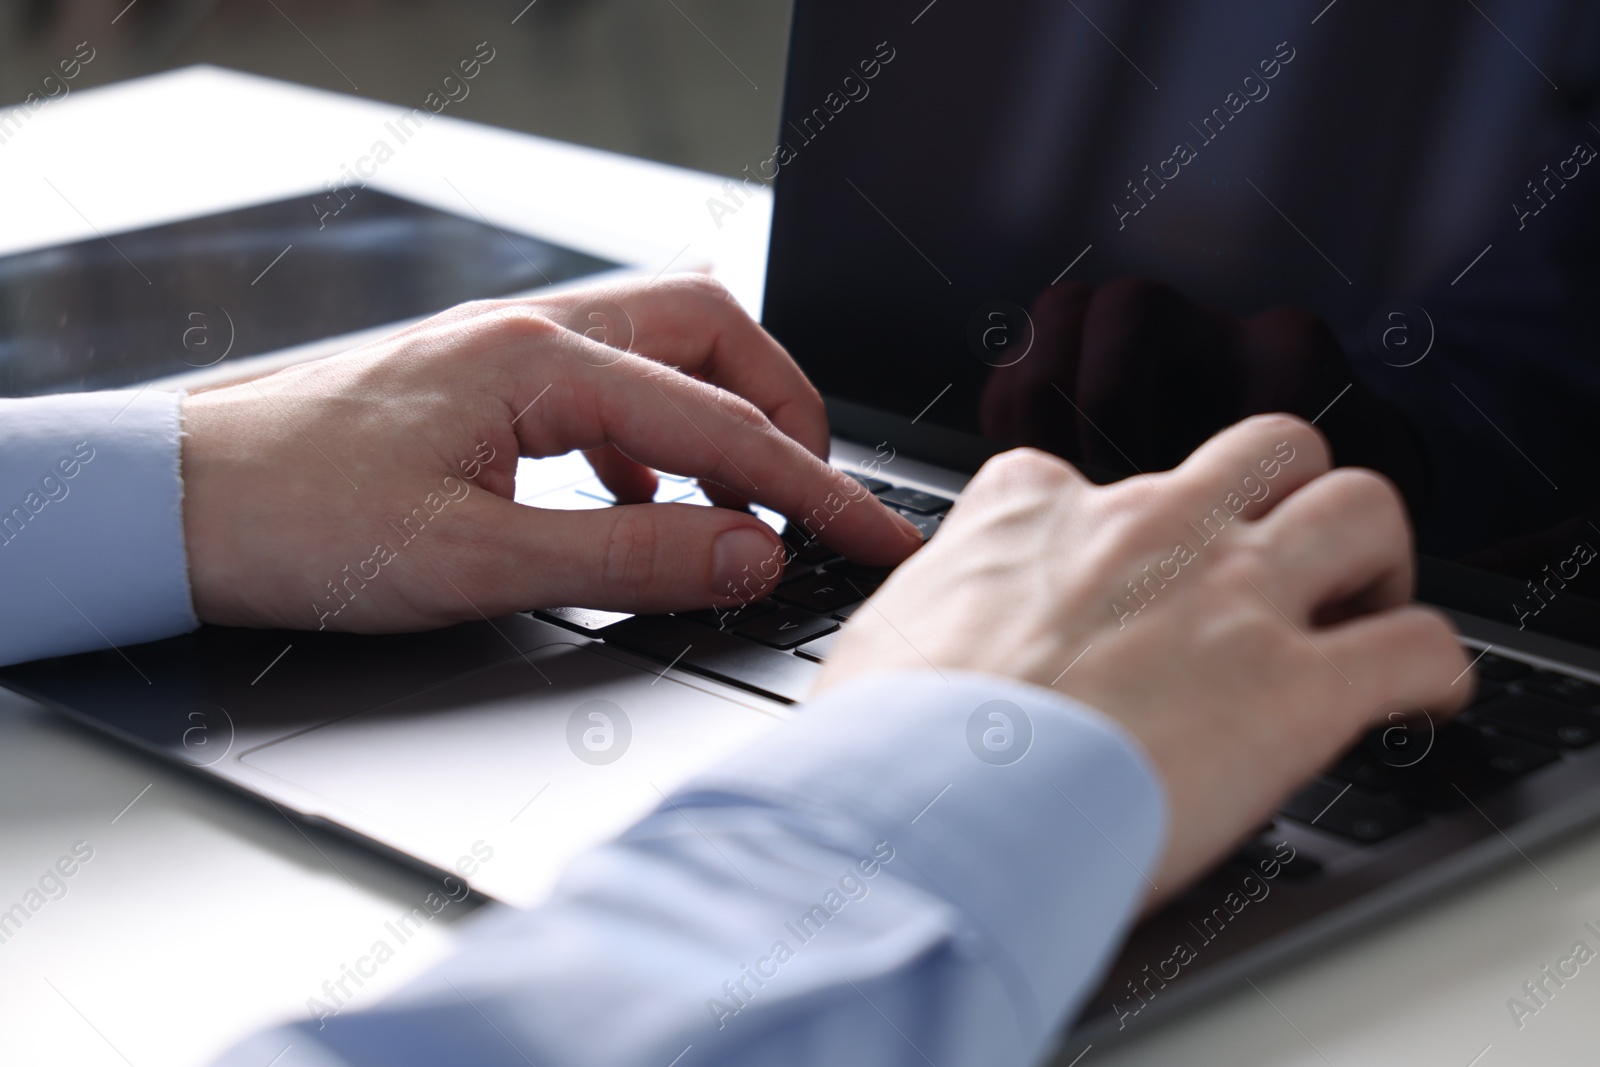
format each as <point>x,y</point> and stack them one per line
<point>691,82</point>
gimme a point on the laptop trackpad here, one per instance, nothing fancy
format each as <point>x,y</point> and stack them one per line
<point>506,773</point>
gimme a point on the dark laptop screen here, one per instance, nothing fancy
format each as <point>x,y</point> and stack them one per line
<point>1110,227</point>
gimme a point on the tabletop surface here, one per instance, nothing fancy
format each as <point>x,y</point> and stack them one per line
<point>194,915</point>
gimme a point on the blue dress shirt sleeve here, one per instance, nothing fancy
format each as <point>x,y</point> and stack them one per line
<point>91,523</point>
<point>921,868</point>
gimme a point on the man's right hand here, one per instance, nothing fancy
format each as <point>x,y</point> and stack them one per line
<point>1244,616</point>
<point>310,495</point>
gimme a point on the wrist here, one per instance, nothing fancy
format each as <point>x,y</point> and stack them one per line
<point>211,479</point>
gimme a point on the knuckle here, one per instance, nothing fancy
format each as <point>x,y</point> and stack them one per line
<point>701,286</point>
<point>741,411</point>
<point>1139,494</point>
<point>466,311</point>
<point>474,308</point>
<point>515,324</point>
<point>1372,490</point>
<point>1247,568</point>
<point>630,553</point>
<point>1021,467</point>
<point>1297,432</point>
<point>1282,423</point>
<point>1251,631</point>
<point>1365,499</point>
<point>1142,509</point>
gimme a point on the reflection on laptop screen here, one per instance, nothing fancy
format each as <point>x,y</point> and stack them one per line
<point>1111,228</point>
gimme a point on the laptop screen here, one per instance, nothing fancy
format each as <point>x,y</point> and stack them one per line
<point>1108,228</point>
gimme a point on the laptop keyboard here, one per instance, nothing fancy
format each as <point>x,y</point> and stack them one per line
<point>1522,718</point>
<point>772,646</point>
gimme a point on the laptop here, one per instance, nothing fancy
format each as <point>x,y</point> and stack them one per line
<point>1106,230</point>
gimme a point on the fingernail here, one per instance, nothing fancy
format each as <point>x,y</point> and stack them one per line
<point>907,528</point>
<point>745,561</point>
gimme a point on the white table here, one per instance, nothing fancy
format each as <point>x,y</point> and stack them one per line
<point>202,915</point>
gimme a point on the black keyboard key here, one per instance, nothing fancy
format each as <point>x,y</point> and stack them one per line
<point>794,570</point>
<point>1437,769</point>
<point>802,555</point>
<point>803,549</point>
<point>788,627</point>
<point>1512,756</point>
<point>862,575</point>
<point>729,617</point>
<point>859,578</point>
<point>823,593</point>
<point>1268,857</point>
<point>664,637</point>
<point>1342,809</point>
<point>1498,668</point>
<point>1487,691</point>
<point>874,485</point>
<point>916,500</point>
<point>818,648</point>
<point>715,654</point>
<point>1548,722</point>
<point>1562,687</point>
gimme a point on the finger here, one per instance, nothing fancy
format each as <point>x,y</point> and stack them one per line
<point>1409,655</point>
<point>1018,477</point>
<point>669,421</point>
<point>1247,469</point>
<point>629,481</point>
<point>723,497</point>
<point>691,322</point>
<point>641,558</point>
<point>687,321</point>
<point>1342,546</point>
<point>610,324</point>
